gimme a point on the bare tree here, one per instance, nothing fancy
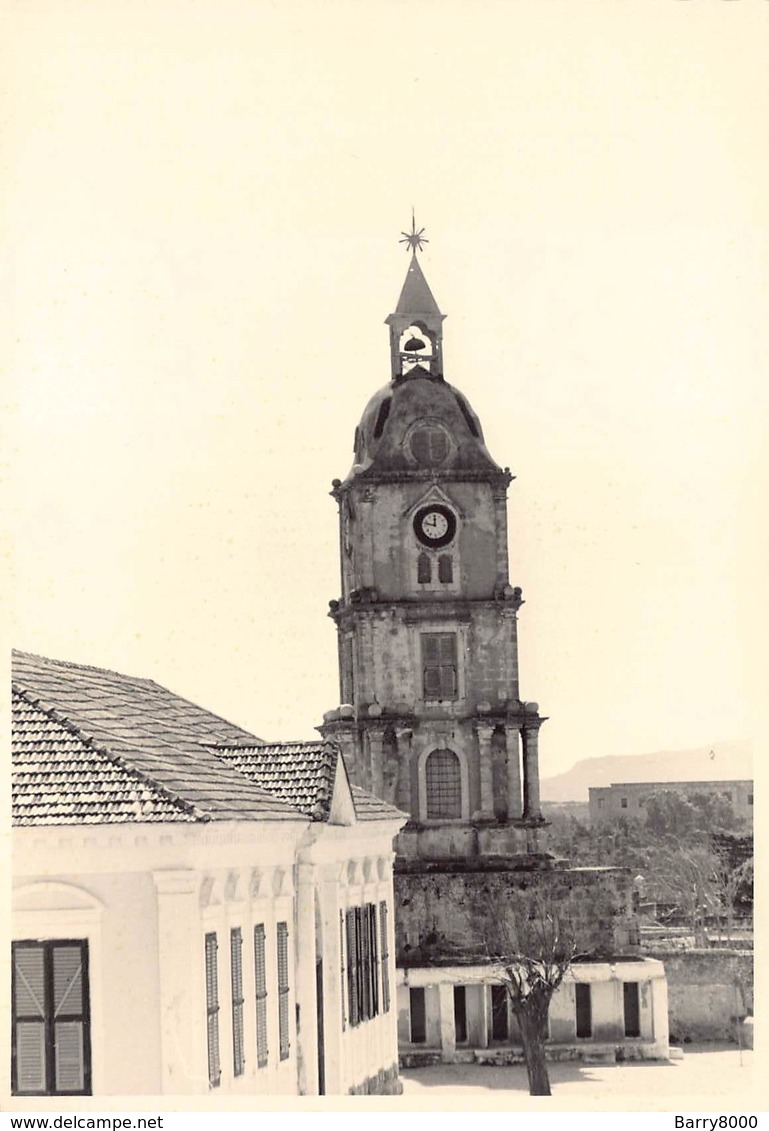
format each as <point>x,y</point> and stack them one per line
<point>532,944</point>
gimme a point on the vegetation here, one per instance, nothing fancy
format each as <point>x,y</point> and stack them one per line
<point>692,858</point>
<point>532,942</point>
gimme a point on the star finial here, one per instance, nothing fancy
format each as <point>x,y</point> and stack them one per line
<point>413,239</point>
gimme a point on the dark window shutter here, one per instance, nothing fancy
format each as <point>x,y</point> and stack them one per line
<point>260,985</point>
<point>283,990</point>
<point>445,569</point>
<point>50,1049</point>
<point>212,1011</point>
<point>424,569</point>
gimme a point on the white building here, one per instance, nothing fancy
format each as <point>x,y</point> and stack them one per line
<point>180,924</point>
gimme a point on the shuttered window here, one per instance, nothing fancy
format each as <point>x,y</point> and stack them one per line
<point>443,782</point>
<point>283,988</point>
<point>362,964</point>
<point>260,983</point>
<point>439,665</point>
<point>383,930</point>
<point>236,978</point>
<point>429,446</point>
<point>212,1012</point>
<point>424,569</point>
<point>50,1018</point>
<point>445,569</point>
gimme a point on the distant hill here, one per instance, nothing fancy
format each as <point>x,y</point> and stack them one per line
<point>730,760</point>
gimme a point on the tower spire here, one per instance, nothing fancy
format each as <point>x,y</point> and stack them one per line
<point>416,337</point>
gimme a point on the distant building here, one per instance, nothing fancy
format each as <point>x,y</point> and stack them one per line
<point>628,799</point>
<point>193,910</point>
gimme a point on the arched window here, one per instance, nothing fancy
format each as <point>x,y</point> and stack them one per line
<point>445,568</point>
<point>443,784</point>
<point>424,570</point>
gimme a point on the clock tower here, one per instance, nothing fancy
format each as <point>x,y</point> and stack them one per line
<point>431,716</point>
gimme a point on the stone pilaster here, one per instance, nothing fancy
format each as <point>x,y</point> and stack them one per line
<point>514,800</point>
<point>403,737</point>
<point>180,955</point>
<point>447,1023</point>
<point>307,1027</point>
<point>376,754</point>
<point>484,733</point>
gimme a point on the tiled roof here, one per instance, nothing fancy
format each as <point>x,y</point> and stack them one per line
<point>114,729</point>
<point>302,774</point>
<point>299,773</point>
<point>60,777</point>
<point>371,808</point>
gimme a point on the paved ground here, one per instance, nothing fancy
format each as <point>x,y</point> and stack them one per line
<point>720,1074</point>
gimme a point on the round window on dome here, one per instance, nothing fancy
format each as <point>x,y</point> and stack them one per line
<point>430,445</point>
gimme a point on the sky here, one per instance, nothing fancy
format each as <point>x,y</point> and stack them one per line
<point>203,202</point>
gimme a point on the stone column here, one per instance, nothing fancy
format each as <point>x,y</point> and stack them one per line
<point>484,733</point>
<point>403,794</point>
<point>182,983</point>
<point>376,753</point>
<point>531,769</point>
<point>307,1027</point>
<point>514,803</point>
<point>447,1024</point>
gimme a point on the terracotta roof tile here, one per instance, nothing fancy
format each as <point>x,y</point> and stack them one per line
<point>302,774</point>
<point>108,723</point>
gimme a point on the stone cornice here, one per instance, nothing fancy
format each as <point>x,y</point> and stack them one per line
<point>423,608</point>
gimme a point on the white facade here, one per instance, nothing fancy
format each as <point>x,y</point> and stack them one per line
<point>463,1013</point>
<point>144,898</point>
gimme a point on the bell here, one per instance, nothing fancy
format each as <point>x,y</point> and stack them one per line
<point>414,345</point>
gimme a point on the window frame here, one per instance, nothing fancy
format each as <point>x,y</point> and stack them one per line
<point>434,756</point>
<point>213,1046</point>
<point>261,993</point>
<point>237,1002</point>
<point>451,665</point>
<point>51,1016</point>
<point>284,990</point>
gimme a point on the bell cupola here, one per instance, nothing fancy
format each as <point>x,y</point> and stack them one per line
<point>416,334</point>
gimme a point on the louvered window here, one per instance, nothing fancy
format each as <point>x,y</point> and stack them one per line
<point>443,781</point>
<point>383,929</point>
<point>260,982</point>
<point>429,446</point>
<point>424,569</point>
<point>236,977</point>
<point>439,665</point>
<point>212,1012</point>
<point>362,964</point>
<point>283,988</point>
<point>51,1047</point>
<point>445,569</point>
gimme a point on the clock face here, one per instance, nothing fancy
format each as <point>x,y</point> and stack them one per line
<point>435,525</point>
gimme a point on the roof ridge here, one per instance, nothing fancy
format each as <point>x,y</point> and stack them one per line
<point>135,679</point>
<point>243,745</point>
<point>81,667</point>
<point>57,717</point>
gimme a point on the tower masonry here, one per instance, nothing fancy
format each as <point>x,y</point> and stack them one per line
<point>431,716</point>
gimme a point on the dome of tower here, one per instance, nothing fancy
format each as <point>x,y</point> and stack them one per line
<point>416,423</point>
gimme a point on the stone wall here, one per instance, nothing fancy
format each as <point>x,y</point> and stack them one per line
<point>708,992</point>
<point>442,916</point>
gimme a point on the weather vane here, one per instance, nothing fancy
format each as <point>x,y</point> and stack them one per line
<point>413,239</point>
